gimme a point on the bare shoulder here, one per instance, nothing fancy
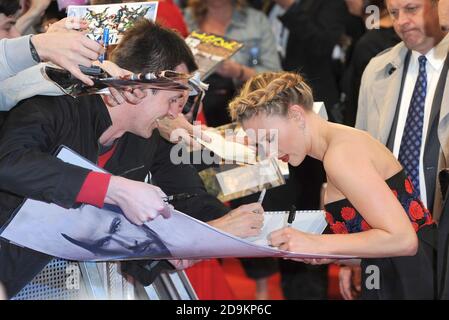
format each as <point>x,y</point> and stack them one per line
<point>350,150</point>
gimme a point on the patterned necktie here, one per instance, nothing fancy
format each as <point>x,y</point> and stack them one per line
<point>409,152</point>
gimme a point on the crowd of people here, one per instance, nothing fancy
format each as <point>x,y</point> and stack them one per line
<point>380,67</point>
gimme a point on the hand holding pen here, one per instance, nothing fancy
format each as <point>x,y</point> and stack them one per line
<point>67,48</point>
<point>105,40</point>
<point>139,201</point>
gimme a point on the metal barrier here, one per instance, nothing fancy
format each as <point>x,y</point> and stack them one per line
<point>65,280</point>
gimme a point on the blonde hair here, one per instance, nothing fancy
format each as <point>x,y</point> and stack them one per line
<point>199,8</point>
<point>271,93</point>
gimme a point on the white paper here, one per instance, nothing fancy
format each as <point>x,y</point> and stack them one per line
<point>310,221</point>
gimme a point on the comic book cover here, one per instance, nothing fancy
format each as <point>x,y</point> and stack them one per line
<point>210,50</point>
<point>116,17</point>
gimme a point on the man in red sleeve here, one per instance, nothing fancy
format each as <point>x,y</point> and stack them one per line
<point>120,138</point>
<point>36,128</point>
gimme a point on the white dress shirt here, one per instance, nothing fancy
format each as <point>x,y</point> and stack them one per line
<point>434,66</point>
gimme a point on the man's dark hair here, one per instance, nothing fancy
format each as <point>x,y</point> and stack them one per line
<point>149,47</point>
<point>9,7</point>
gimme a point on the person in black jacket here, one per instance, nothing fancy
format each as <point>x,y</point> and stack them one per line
<point>40,125</point>
<point>315,28</point>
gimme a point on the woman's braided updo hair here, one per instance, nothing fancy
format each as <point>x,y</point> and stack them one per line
<point>271,93</point>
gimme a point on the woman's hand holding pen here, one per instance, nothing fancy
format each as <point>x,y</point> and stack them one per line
<point>290,239</point>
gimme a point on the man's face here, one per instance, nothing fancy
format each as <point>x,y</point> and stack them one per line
<point>416,23</point>
<point>114,237</point>
<point>7,27</point>
<point>443,12</point>
<point>157,106</point>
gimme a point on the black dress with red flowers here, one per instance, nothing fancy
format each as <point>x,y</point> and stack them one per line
<point>397,277</point>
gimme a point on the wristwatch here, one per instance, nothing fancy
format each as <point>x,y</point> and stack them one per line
<point>34,53</point>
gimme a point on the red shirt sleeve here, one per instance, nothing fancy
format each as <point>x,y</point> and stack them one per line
<point>94,189</point>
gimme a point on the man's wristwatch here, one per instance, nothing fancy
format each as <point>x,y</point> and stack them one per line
<point>34,53</point>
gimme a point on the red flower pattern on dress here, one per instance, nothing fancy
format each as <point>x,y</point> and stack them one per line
<point>403,190</point>
<point>408,186</point>
<point>339,228</point>
<point>347,213</point>
<point>329,218</point>
<point>365,226</point>
<point>416,210</point>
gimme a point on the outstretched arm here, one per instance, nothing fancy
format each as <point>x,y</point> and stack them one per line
<point>391,232</point>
